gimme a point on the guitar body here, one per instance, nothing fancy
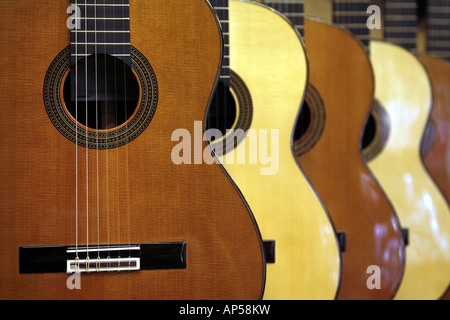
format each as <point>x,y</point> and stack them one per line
<point>268,55</point>
<point>341,73</point>
<point>403,88</point>
<point>141,195</point>
<point>436,157</point>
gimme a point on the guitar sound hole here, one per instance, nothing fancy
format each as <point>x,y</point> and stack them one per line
<point>369,132</point>
<point>304,121</point>
<point>111,96</point>
<point>222,113</point>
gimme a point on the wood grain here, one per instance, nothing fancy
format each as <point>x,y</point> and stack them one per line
<point>143,196</point>
<point>341,72</point>
<point>437,158</point>
<point>267,53</point>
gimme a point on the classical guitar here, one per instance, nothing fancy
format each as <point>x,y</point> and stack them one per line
<point>92,205</point>
<point>436,59</point>
<point>327,147</point>
<point>404,90</point>
<point>256,105</point>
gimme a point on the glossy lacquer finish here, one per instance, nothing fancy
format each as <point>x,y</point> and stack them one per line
<point>436,145</point>
<point>143,196</point>
<point>404,89</point>
<point>269,56</point>
<point>436,150</point>
<point>341,72</point>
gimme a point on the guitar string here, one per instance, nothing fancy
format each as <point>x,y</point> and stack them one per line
<point>117,143</point>
<point>126,126</point>
<point>77,258</point>
<point>97,133</point>
<point>107,138</point>
<point>87,133</point>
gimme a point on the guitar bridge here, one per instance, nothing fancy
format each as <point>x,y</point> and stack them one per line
<point>103,258</point>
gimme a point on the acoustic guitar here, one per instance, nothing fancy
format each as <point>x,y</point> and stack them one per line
<point>92,205</point>
<point>436,143</point>
<point>436,59</point>
<point>403,87</point>
<point>255,110</point>
<point>338,101</point>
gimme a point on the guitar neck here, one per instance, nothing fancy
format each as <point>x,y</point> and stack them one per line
<point>352,14</point>
<point>100,27</point>
<point>401,23</point>
<point>221,8</point>
<point>438,28</point>
<point>292,9</point>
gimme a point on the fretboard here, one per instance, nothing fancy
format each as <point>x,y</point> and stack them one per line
<point>291,9</point>
<point>104,28</point>
<point>401,23</point>
<point>221,8</point>
<point>352,14</point>
<point>438,28</point>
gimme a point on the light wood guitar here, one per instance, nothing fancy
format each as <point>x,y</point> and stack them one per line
<point>341,74</point>
<point>267,84</point>
<point>403,87</point>
<point>92,205</point>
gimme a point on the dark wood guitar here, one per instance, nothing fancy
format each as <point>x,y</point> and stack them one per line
<point>90,196</point>
<point>328,136</point>
<point>436,59</point>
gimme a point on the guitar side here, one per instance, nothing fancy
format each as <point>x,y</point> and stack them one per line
<point>144,197</point>
<point>437,158</point>
<point>269,56</point>
<point>341,72</point>
<point>403,87</point>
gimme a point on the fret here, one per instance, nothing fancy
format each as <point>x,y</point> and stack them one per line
<point>400,17</point>
<point>291,9</point>
<point>440,22</point>
<point>104,29</point>
<point>100,44</point>
<point>352,14</point>
<point>103,3</point>
<point>100,49</point>
<point>437,33</point>
<point>401,40</point>
<point>400,5</point>
<point>294,14</point>
<point>100,5</point>
<point>100,18</point>
<point>438,10</point>
<point>101,31</point>
<point>103,11</point>
<point>221,9</point>
<point>88,54</point>
<point>100,37</point>
<point>401,23</point>
<point>115,26</point>
<point>439,43</point>
<point>438,28</point>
